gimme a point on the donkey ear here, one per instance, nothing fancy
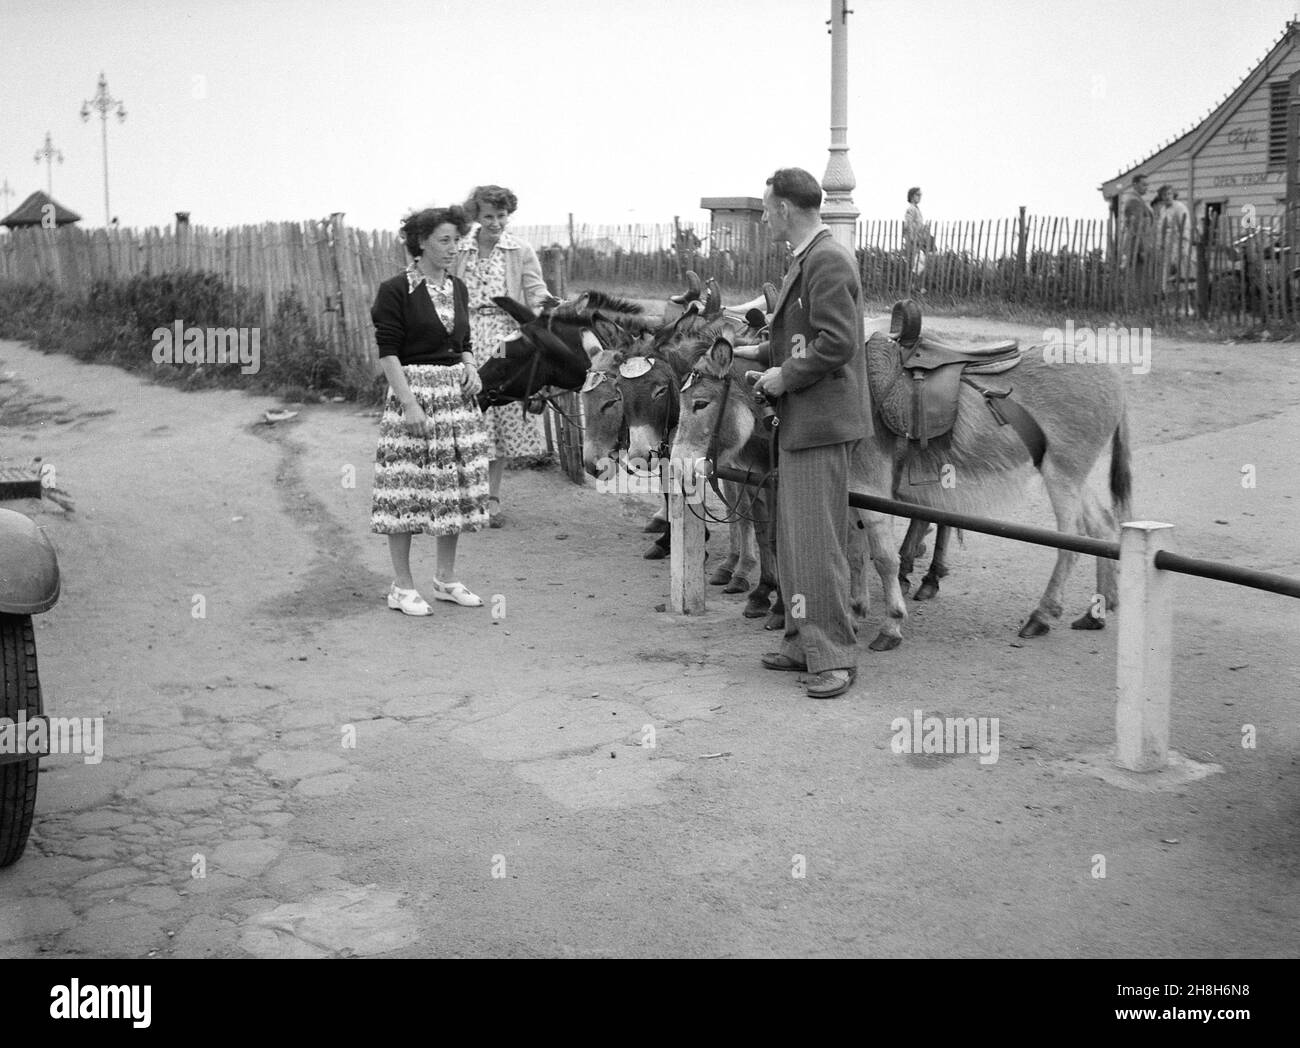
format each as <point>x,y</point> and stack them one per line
<point>590,343</point>
<point>712,300</point>
<point>720,354</point>
<point>519,312</point>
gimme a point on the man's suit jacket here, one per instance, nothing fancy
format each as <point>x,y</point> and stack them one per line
<point>817,341</point>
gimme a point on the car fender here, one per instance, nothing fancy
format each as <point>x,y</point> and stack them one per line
<point>29,569</point>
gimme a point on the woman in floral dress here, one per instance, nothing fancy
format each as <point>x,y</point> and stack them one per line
<point>491,262</point>
<point>431,462</point>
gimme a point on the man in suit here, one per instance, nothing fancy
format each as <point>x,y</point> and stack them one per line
<point>818,382</point>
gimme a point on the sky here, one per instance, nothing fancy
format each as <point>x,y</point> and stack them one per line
<point>617,111</point>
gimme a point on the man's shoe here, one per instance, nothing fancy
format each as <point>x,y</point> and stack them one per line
<point>774,660</point>
<point>829,683</point>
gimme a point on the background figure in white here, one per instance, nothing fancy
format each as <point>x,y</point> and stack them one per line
<point>916,241</point>
<point>1174,229</point>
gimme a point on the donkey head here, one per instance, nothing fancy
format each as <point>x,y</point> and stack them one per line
<point>649,386</point>
<point>543,355</point>
<point>715,399</point>
<point>604,430</point>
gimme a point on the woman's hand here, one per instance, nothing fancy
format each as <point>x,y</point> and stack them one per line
<point>414,420</point>
<point>470,382</point>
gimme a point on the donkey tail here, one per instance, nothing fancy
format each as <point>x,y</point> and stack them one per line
<point>1121,471</point>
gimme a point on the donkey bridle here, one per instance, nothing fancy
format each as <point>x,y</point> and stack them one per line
<point>733,513</point>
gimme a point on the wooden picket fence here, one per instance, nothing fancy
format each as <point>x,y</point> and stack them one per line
<point>333,268</point>
<point>1069,266</point>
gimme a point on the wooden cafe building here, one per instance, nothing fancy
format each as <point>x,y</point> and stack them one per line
<point>1242,153</point>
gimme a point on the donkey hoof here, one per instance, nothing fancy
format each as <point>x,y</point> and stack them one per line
<point>738,584</point>
<point>655,526</point>
<point>1088,622</point>
<point>1034,627</point>
<point>928,590</point>
<point>755,610</point>
<point>775,621</point>
<point>884,642</point>
<point>720,577</point>
<point>655,552</point>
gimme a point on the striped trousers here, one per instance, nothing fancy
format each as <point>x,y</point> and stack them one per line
<point>812,537</point>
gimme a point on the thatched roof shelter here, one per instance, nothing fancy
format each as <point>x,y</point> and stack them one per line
<point>32,210</point>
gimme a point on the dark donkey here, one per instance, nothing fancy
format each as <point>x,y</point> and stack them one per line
<point>550,350</point>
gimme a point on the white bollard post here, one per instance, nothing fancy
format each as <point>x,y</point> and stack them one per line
<point>686,591</point>
<point>1146,609</point>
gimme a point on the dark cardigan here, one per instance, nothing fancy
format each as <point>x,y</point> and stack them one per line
<point>407,324</point>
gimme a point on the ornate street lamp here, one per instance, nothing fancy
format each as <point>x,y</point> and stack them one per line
<point>49,154</point>
<point>838,210</point>
<point>103,101</point>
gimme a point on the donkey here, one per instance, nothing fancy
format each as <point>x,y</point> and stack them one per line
<point>717,412</point>
<point>1079,411</point>
<point>542,355</point>
<point>635,373</point>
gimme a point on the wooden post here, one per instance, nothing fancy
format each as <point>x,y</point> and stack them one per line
<point>686,559</point>
<point>1022,238</point>
<point>677,250</point>
<point>1145,649</point>
<point>553,269</point>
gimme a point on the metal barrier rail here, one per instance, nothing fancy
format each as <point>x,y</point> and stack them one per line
<point>1144,653</point>
<point>1165,559</point>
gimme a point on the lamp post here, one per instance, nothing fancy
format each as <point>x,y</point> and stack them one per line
<point>5,194</point>
<point>103,101</point>
<point>49,154</point>
<point>838,211</point>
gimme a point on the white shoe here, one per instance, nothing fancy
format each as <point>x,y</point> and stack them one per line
<point>407,601</point>
<point>456,593</point>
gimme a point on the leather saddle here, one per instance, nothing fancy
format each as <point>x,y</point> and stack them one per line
<point>923,406</point>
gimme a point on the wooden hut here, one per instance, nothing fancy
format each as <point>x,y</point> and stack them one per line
<point>1240,158</point>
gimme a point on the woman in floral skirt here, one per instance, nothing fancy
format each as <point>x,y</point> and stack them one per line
<point>431,464</point>
<point>491,262</point>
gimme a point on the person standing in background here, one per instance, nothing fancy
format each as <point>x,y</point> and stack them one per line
<point>1174,224</point>
<point>492,263</point>
<point>916,241</point>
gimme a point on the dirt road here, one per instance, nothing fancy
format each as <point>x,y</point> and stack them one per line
<point>302,772</point>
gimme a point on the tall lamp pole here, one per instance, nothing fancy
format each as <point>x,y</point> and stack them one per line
<point>838,211</point>
<point>5,194</point>
<point>49,154</point>
<point>104,102</point>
